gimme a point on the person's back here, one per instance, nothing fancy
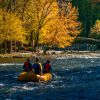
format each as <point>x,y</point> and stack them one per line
<point>27,67</point>
<point>47,67</point>
<point>37,67</point>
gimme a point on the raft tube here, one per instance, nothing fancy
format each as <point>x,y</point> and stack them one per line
<point>24,76</point>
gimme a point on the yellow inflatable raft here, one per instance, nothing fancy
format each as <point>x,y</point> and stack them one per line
<point>24,76</point>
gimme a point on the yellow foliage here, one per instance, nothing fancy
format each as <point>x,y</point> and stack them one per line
<point>95,31</point>
<point>11,27</point>
<point>96,28</point>
<point>62,30</point>
<point>42,17</point>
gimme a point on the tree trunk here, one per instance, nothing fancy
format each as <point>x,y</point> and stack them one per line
<point>35,45</point>
<point>31,39</point>
<point>15,46</point>
<point>36,40</point>
<point>5,48</point>
<point>45,50</point>
<point>19,46</point>
<point>10,46</point>
<point>1,48</point>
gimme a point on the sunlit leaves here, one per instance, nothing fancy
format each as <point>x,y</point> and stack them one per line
<point>11,27</point>
<point>62,30</point>
<point>95,31</point>
<point>42,22</point>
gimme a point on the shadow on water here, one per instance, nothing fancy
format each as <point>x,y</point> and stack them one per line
<point>74,79</point>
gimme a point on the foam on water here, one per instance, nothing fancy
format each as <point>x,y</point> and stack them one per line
<point>89,72</point>
<point>77,56</point>
<point>11,90</point>
<point>27,88</point>
<point>2,85</point>
<point>72,77</point>
<point>10,64</point>
<point>21,88</point>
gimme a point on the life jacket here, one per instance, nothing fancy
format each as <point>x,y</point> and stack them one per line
<point>37,68</point>
<point>27,67</point>
<point>47,68</point>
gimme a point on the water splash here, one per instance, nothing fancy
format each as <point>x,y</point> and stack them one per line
<point>74,76</point>
<point>77,56</point>
<point>2,85</point>
<point>10,64</point>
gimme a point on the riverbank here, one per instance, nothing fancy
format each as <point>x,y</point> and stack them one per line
<point>49,53</point>
<point>21,57</point>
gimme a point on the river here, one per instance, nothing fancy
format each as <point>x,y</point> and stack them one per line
<point>75,78</point>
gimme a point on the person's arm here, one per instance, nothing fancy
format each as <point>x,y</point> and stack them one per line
<point>43,67</point>
<point>40,67</point>
<point>24,67</point>
<point>33,66</point>
<point>51,71</point>
<point>30,66</point>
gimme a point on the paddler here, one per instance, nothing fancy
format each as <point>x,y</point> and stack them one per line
<point>27,67</point>
<point>37,66</point>
<point>47,67</point>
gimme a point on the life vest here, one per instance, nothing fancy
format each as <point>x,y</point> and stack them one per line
<point>47,67</point>
<point>27,66</point>
<point>37,68</point>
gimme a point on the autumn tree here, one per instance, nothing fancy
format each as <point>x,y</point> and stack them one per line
<point>43,22</point>
<point>48,26</point>
<point>11,28</point>
<point>63,29</point>
<point>37,13</point>
<point>95,31</point>
<point>40,13</point>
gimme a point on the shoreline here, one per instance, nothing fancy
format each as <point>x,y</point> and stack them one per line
<point>49,54</point>
<point>21,57</point>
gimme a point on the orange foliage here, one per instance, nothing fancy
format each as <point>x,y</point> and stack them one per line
<point>62,30</point>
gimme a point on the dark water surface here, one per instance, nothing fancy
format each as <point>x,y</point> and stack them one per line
<point>75,79</point>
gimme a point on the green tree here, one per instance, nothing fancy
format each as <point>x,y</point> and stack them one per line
<point>89,12</point>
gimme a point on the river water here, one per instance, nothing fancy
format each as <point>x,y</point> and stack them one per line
<point>75,78</point>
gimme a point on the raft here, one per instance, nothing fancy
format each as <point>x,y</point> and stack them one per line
<point>24,76</point>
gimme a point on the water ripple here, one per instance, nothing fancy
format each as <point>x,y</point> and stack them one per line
<point>74,79</point>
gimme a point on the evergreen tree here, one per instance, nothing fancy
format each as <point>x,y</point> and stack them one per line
<point>89,12</point>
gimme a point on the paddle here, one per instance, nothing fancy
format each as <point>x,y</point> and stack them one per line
<point>54,75</point>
